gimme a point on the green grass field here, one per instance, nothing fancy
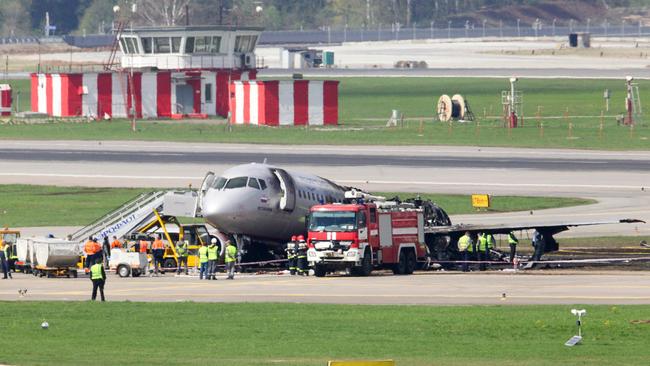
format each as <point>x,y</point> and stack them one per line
<point>366,103</point>
<point>249,334</point>
<point>31,205</point>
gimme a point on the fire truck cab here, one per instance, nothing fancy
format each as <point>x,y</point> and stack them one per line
<point>361,236</point>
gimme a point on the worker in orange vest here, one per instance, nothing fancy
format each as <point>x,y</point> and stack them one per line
<point>91,248</point>
<point>143,246</point>
<point>158,254</point>
<point>116,243</point>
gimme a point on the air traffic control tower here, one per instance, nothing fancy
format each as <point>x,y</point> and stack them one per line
<point>189,47</point>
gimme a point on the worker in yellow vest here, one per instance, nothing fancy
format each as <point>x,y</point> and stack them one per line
<point>98,277</point>
<point>482,249</point>
<point>203,261</point>
<point>4,260</point>
<point>183,254</point>
<point>213,257</point>
<point>464,245</point>
<point>512,241</point>
<point>231,258</point>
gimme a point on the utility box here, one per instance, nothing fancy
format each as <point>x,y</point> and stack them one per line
<point>5,99</point>
<point>328,58</point>
<point>580,40</point>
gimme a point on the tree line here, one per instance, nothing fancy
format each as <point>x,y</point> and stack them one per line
<point>19,17</point>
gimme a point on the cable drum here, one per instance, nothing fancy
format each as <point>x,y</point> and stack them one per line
<point>451,108</point>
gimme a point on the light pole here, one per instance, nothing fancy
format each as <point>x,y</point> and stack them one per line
<point>588,24</point>
<point>432,24</point>
<point>623,27</point>
<point>570,25</point>
<point>449,29</point>
<point>605,24</point>
<point>536,26</point>
<point>554,20</point>
<point>640,28</point>
<point>518,29</point>
<point>414,28</point>
<point>345,33</point>
<point>484,21</point>
<point>500,28</point>
<point>466,27</point>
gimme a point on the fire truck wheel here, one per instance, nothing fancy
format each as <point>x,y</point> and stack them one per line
<point>366,263</point>
<point>319,271</point>
<point>400,267</point>
<point>411,262</point>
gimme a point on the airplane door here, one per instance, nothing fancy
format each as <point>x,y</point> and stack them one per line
<point>207,182</point>
<point>288,199</point>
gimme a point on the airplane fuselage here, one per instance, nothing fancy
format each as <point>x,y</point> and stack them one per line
<point>263,202</point>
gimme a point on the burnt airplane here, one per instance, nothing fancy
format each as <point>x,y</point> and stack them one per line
<point>261,206</point>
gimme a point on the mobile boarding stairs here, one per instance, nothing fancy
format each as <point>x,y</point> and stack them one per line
<point>135,213</point>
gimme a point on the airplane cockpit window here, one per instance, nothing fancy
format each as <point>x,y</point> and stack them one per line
<point>252,182</point>
<point>219,183</point>
<point>238,182</point>
<point>262,184</point>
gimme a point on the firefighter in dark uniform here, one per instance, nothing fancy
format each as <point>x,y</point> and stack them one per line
<point>303,270</point>
<point>292,255</point>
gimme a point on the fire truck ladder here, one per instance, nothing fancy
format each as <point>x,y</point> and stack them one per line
<point>111,61</point>
<point>125,218</point>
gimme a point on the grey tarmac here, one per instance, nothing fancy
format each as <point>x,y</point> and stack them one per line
<point>426,288</point>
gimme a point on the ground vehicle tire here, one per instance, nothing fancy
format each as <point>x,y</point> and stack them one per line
<point>400,267</point>
<point>170,263</point>
<point>135,273</point>
<point>366,263</point>
<point>319,271</point>
<point>123,270</point>
<point>411,262</point>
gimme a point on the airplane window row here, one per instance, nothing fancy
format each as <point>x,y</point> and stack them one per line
<point>317,197</point>
<point>239,182</point>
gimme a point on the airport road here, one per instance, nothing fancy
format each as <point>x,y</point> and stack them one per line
<point>426,288</point>
<point>620,181</point>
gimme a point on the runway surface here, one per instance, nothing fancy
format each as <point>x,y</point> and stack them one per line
<point>425,289</point>
<point>620,181</point>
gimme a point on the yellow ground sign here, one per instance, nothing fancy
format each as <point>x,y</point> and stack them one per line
<point>362,363</point>
<point>481,200</point>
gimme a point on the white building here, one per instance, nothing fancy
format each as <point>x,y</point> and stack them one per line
<point>190,47</point>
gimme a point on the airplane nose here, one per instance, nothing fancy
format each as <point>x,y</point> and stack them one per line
<point>217,209</point>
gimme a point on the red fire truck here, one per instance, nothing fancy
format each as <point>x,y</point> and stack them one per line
<point>367,234</point>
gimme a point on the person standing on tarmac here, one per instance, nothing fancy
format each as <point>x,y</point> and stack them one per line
<point>481,250</point>
<point>158,254</point>
<point>302,256</point>
<point>106,251</point>
<point>4,260</point>
<point>231,258</point>
<point>213,258</point>
<point>291,256</point>
<point>182,251</point>
<point>98,277</point>
<point>539,244</point>
<point>91,248</point>
<point>464,244</point>
<point>512,241</point>
<point>203,260</point>
<point>491,243</point>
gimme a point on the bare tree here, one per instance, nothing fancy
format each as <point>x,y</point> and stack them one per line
<point>162,12</point>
